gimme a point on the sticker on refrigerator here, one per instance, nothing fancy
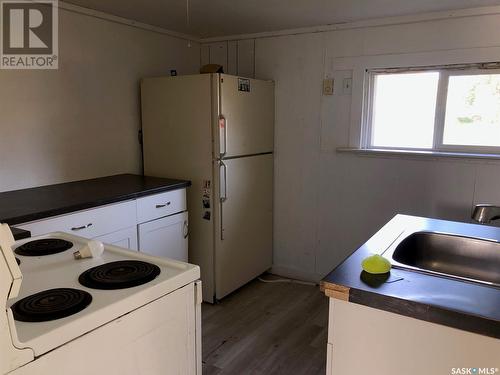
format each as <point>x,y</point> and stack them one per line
<point>206,201</point>
<point>243,84</point>
<point>206,198</point>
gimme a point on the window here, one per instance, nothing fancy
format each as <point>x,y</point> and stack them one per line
<point>473,110</point>
<point>437,109</point>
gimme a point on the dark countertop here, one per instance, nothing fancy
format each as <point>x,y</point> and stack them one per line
<point>20,234</point>
<point>21,206</point>
<point>459,304</point>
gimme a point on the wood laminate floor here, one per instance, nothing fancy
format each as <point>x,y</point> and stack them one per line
<point>266,329</point>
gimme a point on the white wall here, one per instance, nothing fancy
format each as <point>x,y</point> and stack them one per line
<point>81,121</point>
<point>328,203</point>
<point>236,56</point>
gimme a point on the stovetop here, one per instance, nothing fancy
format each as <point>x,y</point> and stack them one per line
<point>62,270</point>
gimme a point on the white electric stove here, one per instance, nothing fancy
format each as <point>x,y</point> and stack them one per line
<point>115,312</point>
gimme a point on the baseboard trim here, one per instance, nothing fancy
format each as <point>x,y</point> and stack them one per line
<point>293,273</point>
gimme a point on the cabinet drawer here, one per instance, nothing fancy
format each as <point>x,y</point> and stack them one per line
<point>89,223</point>
<point>160,205</point>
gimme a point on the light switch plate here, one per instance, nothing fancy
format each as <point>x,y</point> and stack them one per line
<point>347,86</point>
<point>328,86</point>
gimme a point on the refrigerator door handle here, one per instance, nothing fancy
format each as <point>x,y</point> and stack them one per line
<point>222,195</point>
<point>223,182</point>
<point>222,135</point>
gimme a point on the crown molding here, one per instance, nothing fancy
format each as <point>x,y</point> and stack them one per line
<point>125,21</point>
<point>375,22</point>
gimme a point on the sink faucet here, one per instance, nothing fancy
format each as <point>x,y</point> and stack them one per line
<point>485,213</point>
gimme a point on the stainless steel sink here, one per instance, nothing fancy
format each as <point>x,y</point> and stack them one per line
<point>466,258</point>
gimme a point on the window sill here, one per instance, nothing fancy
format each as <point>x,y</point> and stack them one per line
<point>417,153</point>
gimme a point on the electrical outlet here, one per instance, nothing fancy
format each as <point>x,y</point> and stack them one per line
<point>328,86</point>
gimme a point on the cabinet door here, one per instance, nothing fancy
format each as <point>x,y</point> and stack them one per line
<point>126,238</point>
<point>165,237</point>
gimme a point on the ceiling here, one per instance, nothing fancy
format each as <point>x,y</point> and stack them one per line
<point>214,18</point>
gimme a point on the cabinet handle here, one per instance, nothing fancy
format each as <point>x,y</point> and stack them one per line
<point>163,205</point>
<point>186,229</point>
<point>82,227</point>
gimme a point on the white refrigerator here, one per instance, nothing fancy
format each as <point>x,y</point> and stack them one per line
<point>216,130</point>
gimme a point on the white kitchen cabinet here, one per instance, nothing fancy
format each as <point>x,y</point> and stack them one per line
<point>166,237</point>
<point>90,223</point>
<point>363,340</point>
<point>156,224</point>
<point>126,238</point>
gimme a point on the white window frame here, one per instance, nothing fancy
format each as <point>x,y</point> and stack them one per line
<point>439,121</point>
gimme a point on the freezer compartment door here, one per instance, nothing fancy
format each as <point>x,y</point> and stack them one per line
<point>246,116</point>
<point>244,223</point>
